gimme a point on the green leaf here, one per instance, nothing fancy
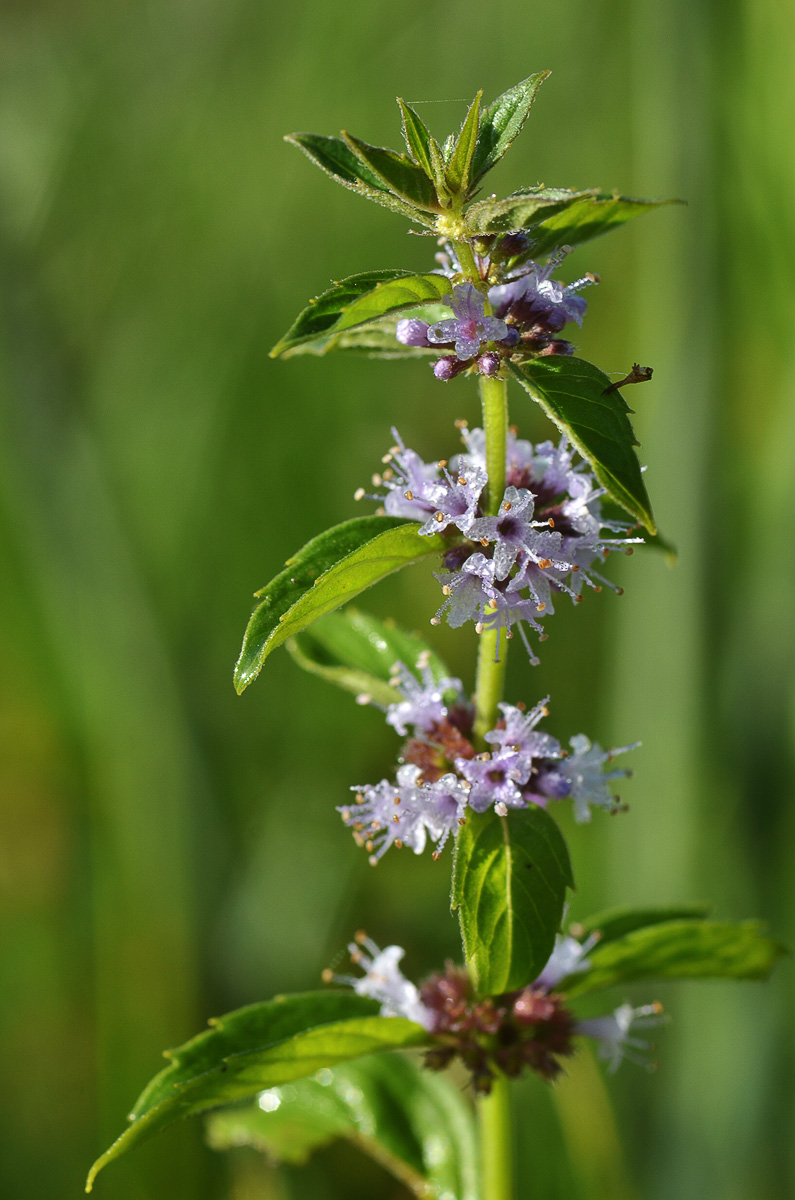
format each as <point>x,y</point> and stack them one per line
<point>358,300</point>
<point>572,394</point>
<point>460,163</point>
<point>414,1122</point>
<point>509,885</point>
<point>522,210</point>
<point>588,218</point>
<point>398,172</point>
<point>418,138</point>
<point>357,652</point>
<point>338,160</point>
<point>331,569</point>
<point>261,1046</point>
<point>616,922</point>
<point>501,123</point>
<point>684,949</point>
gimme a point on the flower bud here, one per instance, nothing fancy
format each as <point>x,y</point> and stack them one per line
<point>557,346</point>
<point>513,244</point>
<point>412,332</point>
<point>448,367</point>
<point>512,338</point>
<point>489,364</point>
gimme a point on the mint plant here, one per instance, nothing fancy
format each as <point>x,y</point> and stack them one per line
<point>511,530</point>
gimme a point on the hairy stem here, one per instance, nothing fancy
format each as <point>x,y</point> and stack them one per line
<point>494,1115</point>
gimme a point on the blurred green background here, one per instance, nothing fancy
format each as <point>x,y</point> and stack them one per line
<point>169,851</point>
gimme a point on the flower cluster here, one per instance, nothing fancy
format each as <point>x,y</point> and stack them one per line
<point>441,776</point>
<point>528,309</point>
<point>505,571</point>
<point>530,1028</point>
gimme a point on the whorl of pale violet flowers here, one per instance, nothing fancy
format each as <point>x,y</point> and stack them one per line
<point>504,572</point>
<point>441,778</point>
<point>528,310</point>
<point>531,1028</point>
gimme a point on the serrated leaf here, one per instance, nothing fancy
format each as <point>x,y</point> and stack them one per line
<point>414,1122</point>
<point>358,300</point>
<point>509,885</point>
<point>460,162</point>
<point>522,210</point>
<point>590,217</point>
<point>338,161</point>
<point>617,922</point>
<point>572,394</point>
<point>358,652</point>
<point>328,571</point>
<point>501,122</point>
<point>398,172</point>
<point>689,949</point>
<point>261,1046</point>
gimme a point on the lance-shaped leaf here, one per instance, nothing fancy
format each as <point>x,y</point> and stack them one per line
<point>398,172</point>
<point>358,652</point>
<point>261,1046</point>
<point>572,394</point>
<point>460,164</point>
<point>337,159</point>
<point>356,301</point>
<point>415,1122</point>
<point>688,949</point>
<point>417,137</point>
<point>425,150</point>
<point>502,121</point>
<point>509,886</point>
<point>617,922</point>
<point>522,210</point>
<point>330,570</point>
<point>589,217</point>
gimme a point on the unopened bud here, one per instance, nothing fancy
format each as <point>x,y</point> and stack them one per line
<point>448,367</point>
<point>489,364</point>
<point>412,332</point>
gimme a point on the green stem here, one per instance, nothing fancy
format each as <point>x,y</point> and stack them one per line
<point>466,257</point>
<point>494,402</point>
<point>494,1112</point>
<point>494,1115</point>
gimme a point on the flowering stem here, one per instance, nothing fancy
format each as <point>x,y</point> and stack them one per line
<point>494,1114</point>
<point>490,681</point>
<point>495,1142</point>
<point>494,402</point>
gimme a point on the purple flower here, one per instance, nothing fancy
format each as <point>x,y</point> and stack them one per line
<point>406,813</point>
<point>494,781</point>
<point>470,326</point>
<point>613,1033</point>
<point>513,531</point>
<point>533,300</point>
<point>588,782</point>
<point>424,704</point>
<point>567,958</point>
<point>519,733</point>
<point>384,981</point>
